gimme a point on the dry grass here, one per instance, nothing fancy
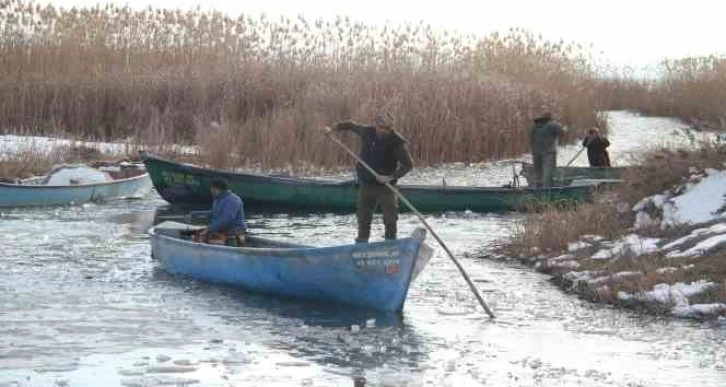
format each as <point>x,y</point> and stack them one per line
<point>539,237</point>
<point>550,230</point>
<point>162,76</point>
<point>661,169</point>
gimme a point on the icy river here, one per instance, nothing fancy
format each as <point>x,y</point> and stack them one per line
<point>83,304</point>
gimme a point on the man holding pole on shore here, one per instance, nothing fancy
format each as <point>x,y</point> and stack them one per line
<point>385,151</point>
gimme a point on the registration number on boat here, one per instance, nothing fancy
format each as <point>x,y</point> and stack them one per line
<point>180,178</point>
<point>387,258</point>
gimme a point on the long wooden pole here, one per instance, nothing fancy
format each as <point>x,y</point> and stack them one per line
<point>421,218</point>
<point>576,156</point>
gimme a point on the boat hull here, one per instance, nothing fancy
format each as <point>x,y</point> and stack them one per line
<point>375,276</point>
<point>14,195</point>
<point>565,175</point>
<point>188,186</point>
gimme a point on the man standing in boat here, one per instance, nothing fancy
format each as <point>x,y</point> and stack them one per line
<point>227,219</point>
<point>385,151</point>
<point>544,138</point>
<point>597,148</point>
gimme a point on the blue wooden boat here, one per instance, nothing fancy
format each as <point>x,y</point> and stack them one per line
<point>375,275</point>
<point>35,193</point>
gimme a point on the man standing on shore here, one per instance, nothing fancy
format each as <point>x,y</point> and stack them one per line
<point>385,152</point>
<point>544,138</point>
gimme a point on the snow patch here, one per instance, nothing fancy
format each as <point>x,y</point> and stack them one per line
<point>573,247</point>
<point>570,264</point>
<point>699,310</point>
<point>632,244</point>
<point>676,294</point>
<point>719,228</point>
<point>701,248</point>
<point>700,202</point>
<point>618,275</point>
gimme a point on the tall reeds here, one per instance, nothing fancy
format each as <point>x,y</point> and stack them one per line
<point>160,76</point>
<point>692,89</point>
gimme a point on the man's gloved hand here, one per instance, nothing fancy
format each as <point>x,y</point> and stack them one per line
<point>384,179</point>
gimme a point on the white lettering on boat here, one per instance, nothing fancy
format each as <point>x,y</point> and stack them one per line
<point>388,258</point>
<point>391,252</point>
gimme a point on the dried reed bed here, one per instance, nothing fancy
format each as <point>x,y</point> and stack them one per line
<point>160,76</point>
<point>692,89</point>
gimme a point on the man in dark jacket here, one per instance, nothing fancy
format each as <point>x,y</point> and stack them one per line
<point>544,140</point>
<point>227,219</point>
<point>597,148</point>
<point>385,151</point>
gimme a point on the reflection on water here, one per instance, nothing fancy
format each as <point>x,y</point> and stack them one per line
<point>82,302</point>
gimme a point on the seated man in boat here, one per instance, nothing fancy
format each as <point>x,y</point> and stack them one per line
<point>597,148</point>
<point>385,151</point>
<point>544,138</point>
<point>227,220</point>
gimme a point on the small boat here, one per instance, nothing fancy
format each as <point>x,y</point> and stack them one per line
<point>375,275</point>
<point>566,175</point>
<point>44,191</point>
<point>188,186</point>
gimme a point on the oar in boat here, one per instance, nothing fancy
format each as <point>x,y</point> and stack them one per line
<point>421,218</point>
<point>189,231</point>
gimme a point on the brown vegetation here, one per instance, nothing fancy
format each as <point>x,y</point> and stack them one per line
<point>160,76</point>
<point>692,89</point>
<point>610,216</point>
<point>542,238</point>
<point>30,161</point>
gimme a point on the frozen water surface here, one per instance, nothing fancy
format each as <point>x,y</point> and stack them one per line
<point>83,304</point>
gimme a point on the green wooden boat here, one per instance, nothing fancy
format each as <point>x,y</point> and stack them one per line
<point>565,175</point>
<point>187,185</point>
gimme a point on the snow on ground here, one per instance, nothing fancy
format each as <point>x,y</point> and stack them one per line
<point>702,201</point>
<point>12,145</point>
<point>572,247</point>
<point>670,295</point>
<point>701,248</point>
<point>698,310</point>
<point>719,228</point>
<point>630,244</point>
<point>617,276</point>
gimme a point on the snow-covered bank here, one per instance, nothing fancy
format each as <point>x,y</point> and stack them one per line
<point>13,145</point>
<point>672,260</point>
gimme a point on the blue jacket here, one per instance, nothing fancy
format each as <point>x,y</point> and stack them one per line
<point>227,214</point>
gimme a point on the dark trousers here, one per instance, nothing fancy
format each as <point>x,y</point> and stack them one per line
<point>369,196</point>
<point>544,169</point>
